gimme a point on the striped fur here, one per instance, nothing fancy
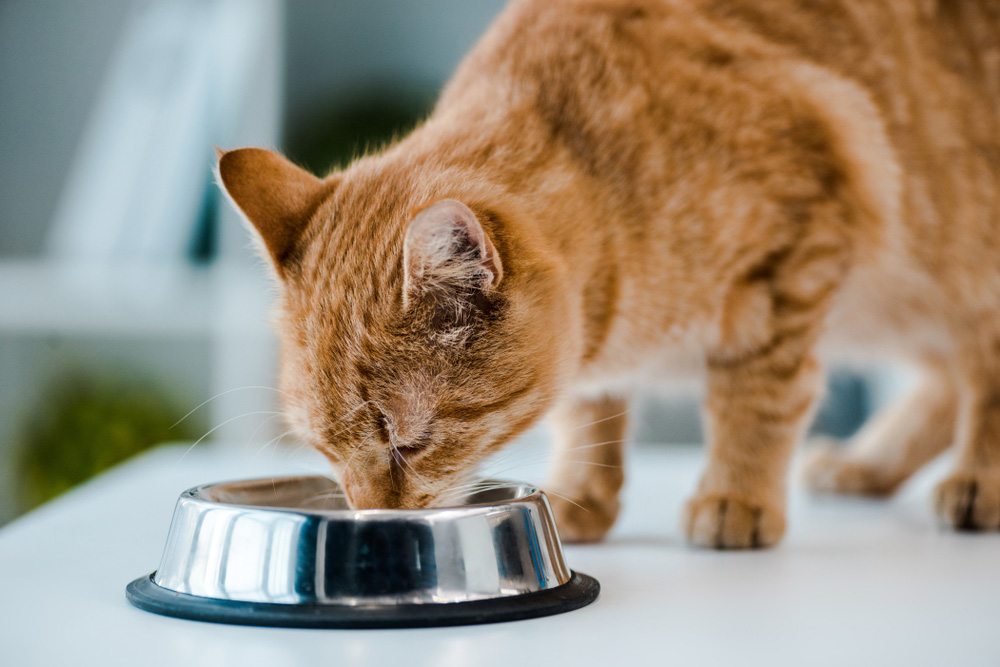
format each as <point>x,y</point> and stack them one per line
<point>732,186</point>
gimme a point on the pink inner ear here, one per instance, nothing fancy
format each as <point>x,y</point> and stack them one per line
<point>434,251</point>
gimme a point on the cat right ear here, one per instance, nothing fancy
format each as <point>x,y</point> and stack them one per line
<point>447,251</point>
<point>275,196</point>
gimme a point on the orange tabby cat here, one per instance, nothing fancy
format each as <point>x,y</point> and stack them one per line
<point>612,191</point>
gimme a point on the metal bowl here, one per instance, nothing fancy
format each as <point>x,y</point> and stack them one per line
<point>290,552</point>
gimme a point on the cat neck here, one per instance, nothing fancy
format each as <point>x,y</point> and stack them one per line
<point>551,219</point>
<point>538,193</point>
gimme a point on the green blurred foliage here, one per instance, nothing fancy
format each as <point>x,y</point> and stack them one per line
<point>87,425</point>
<point>335,134</point>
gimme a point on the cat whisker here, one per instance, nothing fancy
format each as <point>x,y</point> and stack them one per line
<point>461,492</point>
<point>470,488</point>
<point>460,488</point>
<point>261,425</point>
<point>359,447</point>
<point>276,441</point>
<point>345,416</point>
<point>591,463</point>
<point>495,470</point>
<point>476,486</point>
<point>223,393</point>
<point>544,456</point>
<point>596,444</point>
<point>453,498</point>
<point>273,441</point>
<point>299,449</point>
<point>218,426</point>
<point>370,452</point>
<point>486,485</point>
<point>357,407</point>
<point>322,496</point>
<point>398,456</point>
<point>603,419</point>
<point>445,495</point>
<point>567,498</point>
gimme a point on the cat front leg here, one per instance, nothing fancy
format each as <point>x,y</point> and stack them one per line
<point>587,465</point>
<point>755,414</point>
<point>760,394</point>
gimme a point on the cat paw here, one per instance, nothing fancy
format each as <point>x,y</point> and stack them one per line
<point>828,469</point>
<point>969,501</point>
<point>584,520</point>
<point>725,522</point>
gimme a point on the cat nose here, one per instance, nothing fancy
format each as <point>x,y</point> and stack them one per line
<point>361,496</point>
<point>372,491</point>
<point>384,490</point>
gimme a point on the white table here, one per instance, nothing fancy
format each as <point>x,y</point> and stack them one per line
<point>856,582</point>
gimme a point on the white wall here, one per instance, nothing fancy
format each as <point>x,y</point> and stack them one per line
<point>53,55</point>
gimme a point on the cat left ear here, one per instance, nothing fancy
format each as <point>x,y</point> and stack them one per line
<point>446,248</point>
<point>277,197</point>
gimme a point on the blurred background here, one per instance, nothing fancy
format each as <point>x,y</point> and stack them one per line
<point>129,295</point>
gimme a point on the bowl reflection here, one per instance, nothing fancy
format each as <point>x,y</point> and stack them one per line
<point>294,540</point>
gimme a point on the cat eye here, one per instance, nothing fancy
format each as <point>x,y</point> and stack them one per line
<point>382,425</point>
<point>410,445</point>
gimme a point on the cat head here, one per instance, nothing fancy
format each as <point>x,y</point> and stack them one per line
<point>421,328</point>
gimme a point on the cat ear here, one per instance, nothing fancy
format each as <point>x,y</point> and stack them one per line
<point>274,195</point>
<point>446,248</point>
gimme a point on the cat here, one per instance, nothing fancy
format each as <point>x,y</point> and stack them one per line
<point>609,191</point>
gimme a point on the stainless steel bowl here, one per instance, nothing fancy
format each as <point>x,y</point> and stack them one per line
<point>291,552</point>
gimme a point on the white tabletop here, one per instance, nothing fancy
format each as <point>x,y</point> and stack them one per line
<point>856,582</point>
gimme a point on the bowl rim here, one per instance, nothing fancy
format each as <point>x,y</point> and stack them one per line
<point>533,495</point>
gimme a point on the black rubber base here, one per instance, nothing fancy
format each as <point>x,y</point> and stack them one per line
<point>578,592</point>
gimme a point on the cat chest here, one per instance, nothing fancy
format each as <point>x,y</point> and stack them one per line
<point>631,362</point>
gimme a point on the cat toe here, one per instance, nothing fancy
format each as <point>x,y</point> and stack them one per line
<point>582,521</point>
<point>827,469</point>
<point>969,501</point>
<point>725,522</point>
